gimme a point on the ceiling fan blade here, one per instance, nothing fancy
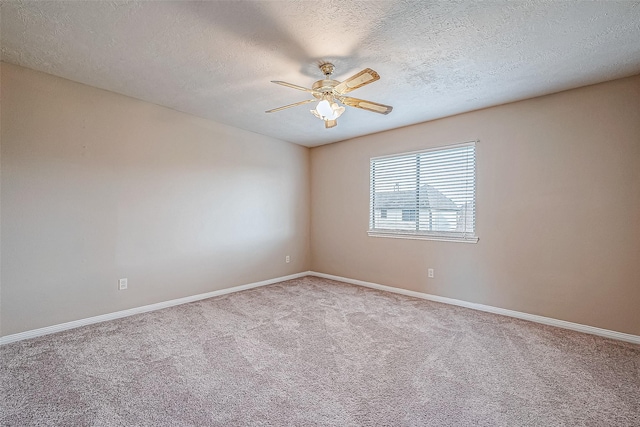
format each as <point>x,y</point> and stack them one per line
<point>366,105</point>
<point>330,123</point>
<point>291,105</point>
<point>295,86</point>
<point>356,81</point>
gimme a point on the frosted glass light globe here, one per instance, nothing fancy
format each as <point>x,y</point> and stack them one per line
<point>325,110</point>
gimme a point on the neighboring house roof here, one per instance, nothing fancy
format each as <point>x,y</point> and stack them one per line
<point>406,199</point>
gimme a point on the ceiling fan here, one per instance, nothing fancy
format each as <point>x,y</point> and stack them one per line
<point>330,92</point>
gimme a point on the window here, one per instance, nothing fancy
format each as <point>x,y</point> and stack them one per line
<point>428,194</point>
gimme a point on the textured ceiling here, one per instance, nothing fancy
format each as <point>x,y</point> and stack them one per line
<point>216,59</point>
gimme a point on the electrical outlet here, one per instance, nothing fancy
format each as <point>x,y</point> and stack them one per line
<point>430,273</point>
<point>287,259</point>
<point>123,284</point>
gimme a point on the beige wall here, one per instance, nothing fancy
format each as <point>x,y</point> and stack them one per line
<point>98,186</point>
<point>558,209</point>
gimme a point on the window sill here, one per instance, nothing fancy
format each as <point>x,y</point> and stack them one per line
<point>415,236</point>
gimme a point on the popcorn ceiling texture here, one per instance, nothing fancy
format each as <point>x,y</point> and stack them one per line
<point>314,352</point>
<point>215,59</point>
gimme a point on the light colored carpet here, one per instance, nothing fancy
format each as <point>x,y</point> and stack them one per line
<point>316,352</point>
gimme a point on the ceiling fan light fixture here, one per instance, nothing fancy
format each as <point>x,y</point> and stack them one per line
<point>328,110</point>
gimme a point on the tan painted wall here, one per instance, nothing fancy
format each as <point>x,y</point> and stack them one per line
<point>558,199</point>
<point>97,186</point>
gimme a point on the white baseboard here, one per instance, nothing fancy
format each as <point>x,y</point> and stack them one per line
<point>635,339</point>
<point>137,310</point>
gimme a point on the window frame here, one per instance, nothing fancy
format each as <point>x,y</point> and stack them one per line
<point>448,236</point>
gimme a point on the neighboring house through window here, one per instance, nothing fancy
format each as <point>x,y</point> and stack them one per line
<point>408,214</point>
<point>427,194</point>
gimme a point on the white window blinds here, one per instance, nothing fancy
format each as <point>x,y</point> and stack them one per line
<point>428,194</point>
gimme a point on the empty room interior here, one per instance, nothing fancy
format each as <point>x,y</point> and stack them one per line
<point>320,213</point>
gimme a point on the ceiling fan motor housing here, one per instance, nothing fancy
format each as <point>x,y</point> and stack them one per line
<point>325,87</point>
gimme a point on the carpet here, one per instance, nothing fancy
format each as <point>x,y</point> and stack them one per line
<point>315,352</point>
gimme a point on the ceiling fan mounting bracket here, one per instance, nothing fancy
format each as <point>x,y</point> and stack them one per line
<point>326,68</point>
